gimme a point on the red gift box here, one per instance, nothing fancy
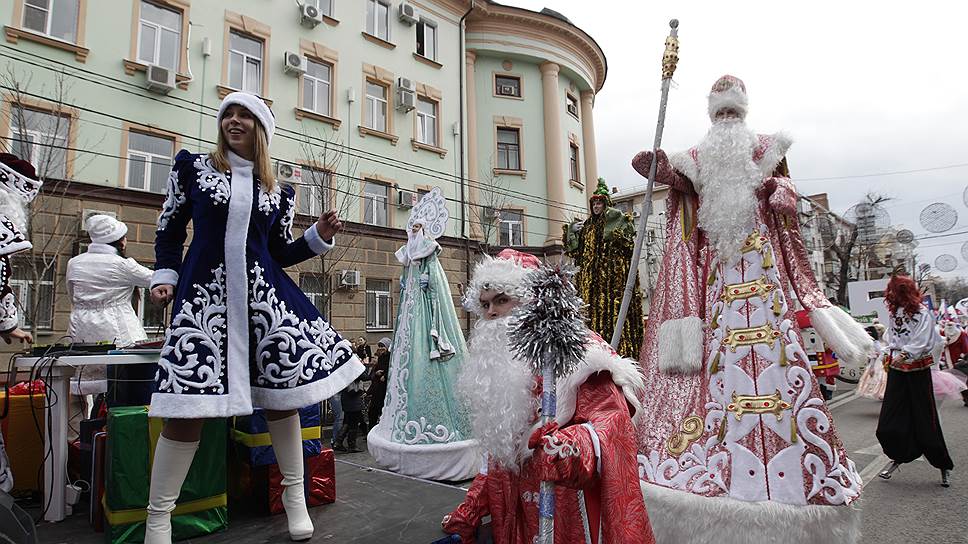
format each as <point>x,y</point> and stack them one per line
<point>319,479</point>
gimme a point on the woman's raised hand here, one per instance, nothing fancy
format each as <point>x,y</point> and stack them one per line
<point>328,225</point>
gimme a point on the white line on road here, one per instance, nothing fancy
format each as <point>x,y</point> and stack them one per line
<point>872,468</point>
<point>842,400</point>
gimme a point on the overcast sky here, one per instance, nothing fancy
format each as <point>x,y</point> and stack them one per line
<point>862,87</point>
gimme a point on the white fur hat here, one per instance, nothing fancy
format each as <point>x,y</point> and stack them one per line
<point>504,273</point>
<point>728,92</point>
<point>255,105</point>
<point>105,229</point>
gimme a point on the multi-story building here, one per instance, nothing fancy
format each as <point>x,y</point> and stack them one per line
<point>653,246</point>
<point>376,101</point>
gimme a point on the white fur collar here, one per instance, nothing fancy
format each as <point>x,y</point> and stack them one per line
<point>776,148</point>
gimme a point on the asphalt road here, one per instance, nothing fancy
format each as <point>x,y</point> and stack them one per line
<point>911,507</point>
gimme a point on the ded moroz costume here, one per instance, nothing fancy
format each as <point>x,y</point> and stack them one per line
<point>738,445</point>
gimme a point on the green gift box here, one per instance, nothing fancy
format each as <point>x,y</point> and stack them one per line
<point>201,507</point>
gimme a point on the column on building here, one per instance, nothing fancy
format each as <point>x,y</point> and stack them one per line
<point>554,154</point>
<point>589,153</point>
<point>473,167</point>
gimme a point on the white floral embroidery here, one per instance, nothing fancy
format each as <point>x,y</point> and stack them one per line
<point>269,201</point>
<point>289,349</point>
<point>212,181</point>
<point>554,447</point>
<point>201,322</point>
<point>173,200</point>
<point>286,220</point>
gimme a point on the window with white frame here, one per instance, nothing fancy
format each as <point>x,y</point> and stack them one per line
<point>311,195</point>
<point>376,198</point>
<point>376,106</point>
<point>149,162</point>
<point>312,285</point>
<point>379,304</point>
<point>40,138</point>
<point>317,87</point>
<point>426,121</point>
<point>159,39</point>
<point>511,228</point>
<point>427,39</point>
<point>21,279</point>
<point>245,63</point>
<point>55,18</point>
<point>573,162</point>
<point>152,316</point>
<point>378,19</point>
<point>508,148</point>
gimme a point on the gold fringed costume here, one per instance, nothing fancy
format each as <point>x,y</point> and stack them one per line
<point>602,251</point>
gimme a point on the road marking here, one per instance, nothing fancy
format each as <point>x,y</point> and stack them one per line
<point>842,400</point>
<point>872,468</point>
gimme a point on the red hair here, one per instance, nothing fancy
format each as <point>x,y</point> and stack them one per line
<point>903,293</point>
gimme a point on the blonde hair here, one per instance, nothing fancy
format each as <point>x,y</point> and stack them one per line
<point>261,162</point>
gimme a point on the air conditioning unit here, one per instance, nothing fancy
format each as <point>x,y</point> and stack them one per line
<point>295,63</point>
<point>287,172</point>
<point>506,90</point>
<point>573,109</point>
<point>406,100</point>
<point>88,212</point>
<point>406,84</point>
<point>348,278</point>
<point>407,199</point>
<point>310,16</point>
<point>159,79</point>
<point>409,14</point>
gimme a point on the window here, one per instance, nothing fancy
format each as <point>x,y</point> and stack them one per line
<point>511,228</point>
<point>40,138</point>
<point>159,41</point>
<point>375,204</point>
<point>312,286</point>
<point>149,162</point>
<point>508,148</point>
<point>325,6</point>
<point>427,40</point>
<point>311,196</point>
<point>507,86</point>
<point>245,63</point>
<point>378,19</point>
<point>55,18</point>
<point>20,281</point>
<point>573,162</point>
<point>376,107</point>
<point>317,87</point>
<point>426,121</point>
<point>379,304</point>
<point>152,316</point>
<point>572,105</point>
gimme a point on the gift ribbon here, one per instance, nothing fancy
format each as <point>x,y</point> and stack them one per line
<point>135,515</point>
<point>263,439</point>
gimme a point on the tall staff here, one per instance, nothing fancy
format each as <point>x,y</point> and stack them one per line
<point>669,59</point>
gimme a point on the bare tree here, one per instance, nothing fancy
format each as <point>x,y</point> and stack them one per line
<point>852,251</point>
<point>492,200</point>
<point>40,117</point>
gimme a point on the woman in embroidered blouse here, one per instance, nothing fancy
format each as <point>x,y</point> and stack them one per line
<point>242,334</point>
<point>908,426</point>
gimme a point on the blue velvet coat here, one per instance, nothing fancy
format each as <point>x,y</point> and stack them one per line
<point>242,334</point>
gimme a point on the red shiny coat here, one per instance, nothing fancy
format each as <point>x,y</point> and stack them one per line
<point>615,510</point>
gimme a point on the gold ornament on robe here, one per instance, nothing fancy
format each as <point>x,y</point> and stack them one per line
<point>691,428</point>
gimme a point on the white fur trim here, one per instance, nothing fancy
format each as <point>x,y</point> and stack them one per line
<point>670,348</point>
<point>316,242</point>
<point>678,516</point>
<point>164,276</point>
<point>255,105</point>
<point>680,346</point>
<point>452,461</point>
<point>777,146</point>
<point>502,275</point>
<point>683,163</point>
<point>842,335</point>
<point>692,343</point>
<point>733,97</point>
<point>625,374</point>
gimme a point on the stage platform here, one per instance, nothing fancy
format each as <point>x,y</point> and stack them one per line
<point>372,506</point>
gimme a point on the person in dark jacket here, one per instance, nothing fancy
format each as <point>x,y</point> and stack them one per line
<point>378,381</point>
<point>352,400</point>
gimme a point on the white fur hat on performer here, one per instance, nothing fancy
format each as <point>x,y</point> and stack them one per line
<point>504,273</point>
<point>254,104</point>
<point>728,92</point>
<point>105,229</point>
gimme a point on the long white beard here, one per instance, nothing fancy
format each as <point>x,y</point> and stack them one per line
<point>497,388</point>
<point>728,179</point>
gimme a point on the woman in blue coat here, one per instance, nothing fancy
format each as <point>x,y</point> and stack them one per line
<point>242,334</point>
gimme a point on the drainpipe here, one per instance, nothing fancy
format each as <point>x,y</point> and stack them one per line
<point>463,204</point>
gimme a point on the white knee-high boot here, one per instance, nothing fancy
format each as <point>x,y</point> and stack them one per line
<point>287,444</point>
<point>172,461</point>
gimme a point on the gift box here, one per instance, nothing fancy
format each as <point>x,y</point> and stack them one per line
<point>251,436</point>
<point>258,489</point>
<point>23,436</point>
<point>202,506</point>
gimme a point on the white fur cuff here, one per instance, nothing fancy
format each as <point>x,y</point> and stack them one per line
<point>842,334</point>
<point>680,346</point>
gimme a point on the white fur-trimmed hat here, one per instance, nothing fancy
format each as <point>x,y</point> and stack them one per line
<point>504,274</point>
<point>728,92</point>
<point>105,229</point>
<point>254,104</point>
